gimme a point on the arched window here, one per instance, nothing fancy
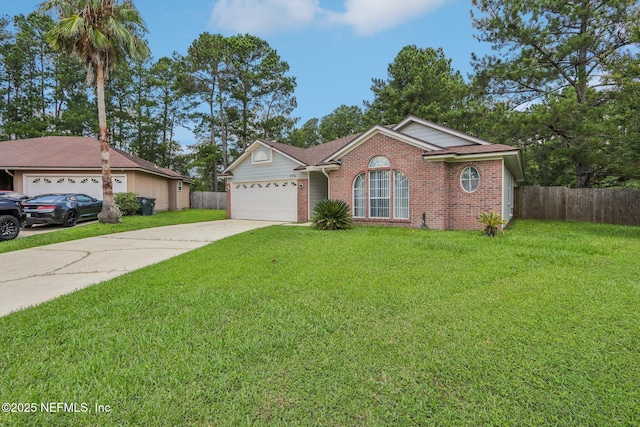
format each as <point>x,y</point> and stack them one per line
<point>380,192</point>
<point>359,196</point>
<point>469,179</point>
<point>379,162</point>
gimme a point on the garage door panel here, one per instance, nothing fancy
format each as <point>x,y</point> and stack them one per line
<point>265,200</point>
<point>87,184</point>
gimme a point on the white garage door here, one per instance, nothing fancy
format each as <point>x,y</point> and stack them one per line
<point>265,200</point>
<point>87,184</point>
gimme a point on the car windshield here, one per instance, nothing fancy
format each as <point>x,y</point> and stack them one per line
<point>49,198</point>
<point>10,194</point>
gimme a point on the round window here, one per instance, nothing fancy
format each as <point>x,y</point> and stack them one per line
<point>469,179</point>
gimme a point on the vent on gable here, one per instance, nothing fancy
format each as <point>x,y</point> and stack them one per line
<point>261,156</point>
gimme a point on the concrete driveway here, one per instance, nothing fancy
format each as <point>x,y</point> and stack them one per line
<point>32,276</point>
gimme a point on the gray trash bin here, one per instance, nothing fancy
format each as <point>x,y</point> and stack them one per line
<point>147,205</point>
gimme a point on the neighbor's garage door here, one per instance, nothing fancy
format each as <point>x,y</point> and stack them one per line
<point>87,184</point>
<point>265,200</point>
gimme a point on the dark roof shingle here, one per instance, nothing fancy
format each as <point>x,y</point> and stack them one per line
<point>312,156</point>
<point>471,149</point>
<point>70,152</point>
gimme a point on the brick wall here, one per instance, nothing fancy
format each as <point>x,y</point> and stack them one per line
<point>464,208</point>
<point>303,200</point>
<point>434,188</point>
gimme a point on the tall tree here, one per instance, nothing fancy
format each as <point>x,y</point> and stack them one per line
<point>100,33</point>
<point>28,69</point>
<point>556,53</point>
<point>166,75</point>
<point>421,82</point>
<point>625,144</point>
<point>344,120</point>
<point>305,136</point>
<point>73,104</point>
<point>259,87</point>
<point>5,43</point>
<point>207,85</point>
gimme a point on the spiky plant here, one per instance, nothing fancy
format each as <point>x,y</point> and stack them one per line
<point>332,215</point>
<point>491,221</point>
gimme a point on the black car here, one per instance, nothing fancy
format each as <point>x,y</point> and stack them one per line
<point>63,209</point>
<point>11,217</point>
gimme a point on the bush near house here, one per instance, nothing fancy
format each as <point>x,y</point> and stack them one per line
<point>332,215</point>
<point>128,203</point>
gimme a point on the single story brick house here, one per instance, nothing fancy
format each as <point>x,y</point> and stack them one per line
<point>71,164</point>
<point>413,174</point>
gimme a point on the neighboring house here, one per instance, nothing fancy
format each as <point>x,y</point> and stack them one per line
<point>413,174</point>
<point>66,164</point>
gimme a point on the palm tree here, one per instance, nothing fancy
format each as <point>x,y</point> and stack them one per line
<point>99,33</point>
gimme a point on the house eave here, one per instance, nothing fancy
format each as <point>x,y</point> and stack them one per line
<point>512,159</point>
<point>85,169</point>
<point>319,168</point>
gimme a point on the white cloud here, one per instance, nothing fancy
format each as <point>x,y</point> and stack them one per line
<point>366,17</point>
<point>264,16</point>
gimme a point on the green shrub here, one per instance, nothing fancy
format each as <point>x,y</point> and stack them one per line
<point>128,203</point>
<point>331,215</point>
<point>491,222</point>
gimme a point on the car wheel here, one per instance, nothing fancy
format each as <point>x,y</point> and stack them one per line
<point>9,227</point>
<point>70,219</point>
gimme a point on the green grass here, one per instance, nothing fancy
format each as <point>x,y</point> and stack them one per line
<point>374,326</point>
<point>129,223</point>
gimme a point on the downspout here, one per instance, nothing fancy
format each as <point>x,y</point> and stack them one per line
<point>9,173</point>
<point>324,172</point>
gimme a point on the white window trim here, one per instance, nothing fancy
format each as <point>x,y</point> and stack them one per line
<point>388,197</point>
<point>267,152</point>
<point>364,195</point>
<point>385,163</point>
<point>395,196</point>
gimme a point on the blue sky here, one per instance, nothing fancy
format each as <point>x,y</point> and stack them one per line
<point>333,47</point>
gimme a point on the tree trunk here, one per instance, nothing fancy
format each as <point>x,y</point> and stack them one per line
<point>223,130</point>
<point>583,175</point>
<point>110,214</point>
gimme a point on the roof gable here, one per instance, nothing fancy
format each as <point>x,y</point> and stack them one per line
<point>289,151</point>
<point>359,140</point>
<point>465,138</point>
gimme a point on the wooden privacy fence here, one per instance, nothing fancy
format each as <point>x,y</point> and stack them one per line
<point>605,205</point>
<point>208,200</point>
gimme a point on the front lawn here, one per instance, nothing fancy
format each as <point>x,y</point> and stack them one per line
<point>129,223</point>
<point>374,326</point>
